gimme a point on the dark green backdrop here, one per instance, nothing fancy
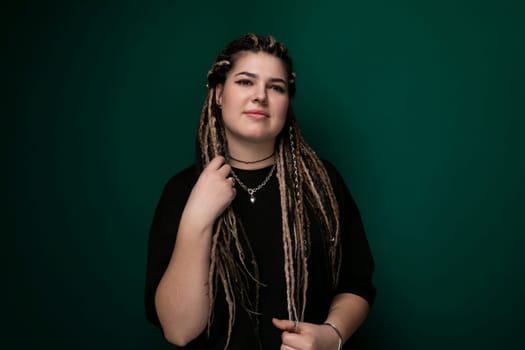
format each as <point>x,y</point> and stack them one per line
<point>420,104</point>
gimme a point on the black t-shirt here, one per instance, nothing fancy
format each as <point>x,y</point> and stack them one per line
<point>262,223</point>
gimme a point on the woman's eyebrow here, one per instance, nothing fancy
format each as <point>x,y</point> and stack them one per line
<point>278,80</point>
<point>253,75</point>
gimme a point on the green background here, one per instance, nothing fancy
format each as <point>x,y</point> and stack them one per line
<point>420,105</point>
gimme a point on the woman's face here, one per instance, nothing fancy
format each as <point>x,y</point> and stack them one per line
<point>254,98</point>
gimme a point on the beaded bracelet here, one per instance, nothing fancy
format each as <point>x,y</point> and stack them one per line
<point>339,347</point>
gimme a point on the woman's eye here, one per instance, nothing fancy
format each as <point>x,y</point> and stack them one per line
<point>278,88</point>
<point>244,82</point>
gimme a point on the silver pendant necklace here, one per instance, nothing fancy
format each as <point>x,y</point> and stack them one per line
<point>251,191</point>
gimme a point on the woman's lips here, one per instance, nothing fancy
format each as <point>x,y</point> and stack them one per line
<point>256,113</point>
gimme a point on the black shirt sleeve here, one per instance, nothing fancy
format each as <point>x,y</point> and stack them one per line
<point>357,264</point>
<point>163,233</point>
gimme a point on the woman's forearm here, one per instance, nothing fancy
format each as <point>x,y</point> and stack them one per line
<point>182,299</point>
<point>347,313</point>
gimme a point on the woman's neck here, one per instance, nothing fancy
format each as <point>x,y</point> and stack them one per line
<point>252,156</point>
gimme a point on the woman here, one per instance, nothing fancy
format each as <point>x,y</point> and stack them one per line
<point>259,244</point>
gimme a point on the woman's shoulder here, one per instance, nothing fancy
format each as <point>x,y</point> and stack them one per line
<point>333,173</point>
<point>188,174</point>
<point>182,181</point>
<point>329,166</point>
<point>337,180</point>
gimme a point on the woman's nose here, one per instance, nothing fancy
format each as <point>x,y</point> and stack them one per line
<point>260,95</point>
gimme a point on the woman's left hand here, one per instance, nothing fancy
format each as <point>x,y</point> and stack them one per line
<point>306,336</point>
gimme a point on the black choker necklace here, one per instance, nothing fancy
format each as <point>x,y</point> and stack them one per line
<point>252,162</point>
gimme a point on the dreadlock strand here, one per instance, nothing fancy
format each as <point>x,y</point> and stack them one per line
<point>212,278</point>
<point>323,192</point>
<point>296,198</point>
<point>230,300</point>
<point>286,229</point>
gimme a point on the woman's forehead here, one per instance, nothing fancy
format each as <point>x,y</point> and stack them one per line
<point>259,63</point>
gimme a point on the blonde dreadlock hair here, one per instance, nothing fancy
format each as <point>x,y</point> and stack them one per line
<point>303,185</point>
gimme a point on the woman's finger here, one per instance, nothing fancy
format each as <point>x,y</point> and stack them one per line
<point>216,163</point>
<point>286,325</point>
<point>225,169</point>
<point>286,347</point>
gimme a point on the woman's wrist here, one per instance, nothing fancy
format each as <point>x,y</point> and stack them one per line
<point>336,331</point>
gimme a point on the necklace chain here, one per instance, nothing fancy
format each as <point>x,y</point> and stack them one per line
<point>253,161</point>
<point>251,191</point>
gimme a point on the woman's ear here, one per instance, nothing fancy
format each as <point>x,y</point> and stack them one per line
<point>218,94</point>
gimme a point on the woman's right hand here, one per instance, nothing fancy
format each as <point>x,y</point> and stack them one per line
<point>212,194</point>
